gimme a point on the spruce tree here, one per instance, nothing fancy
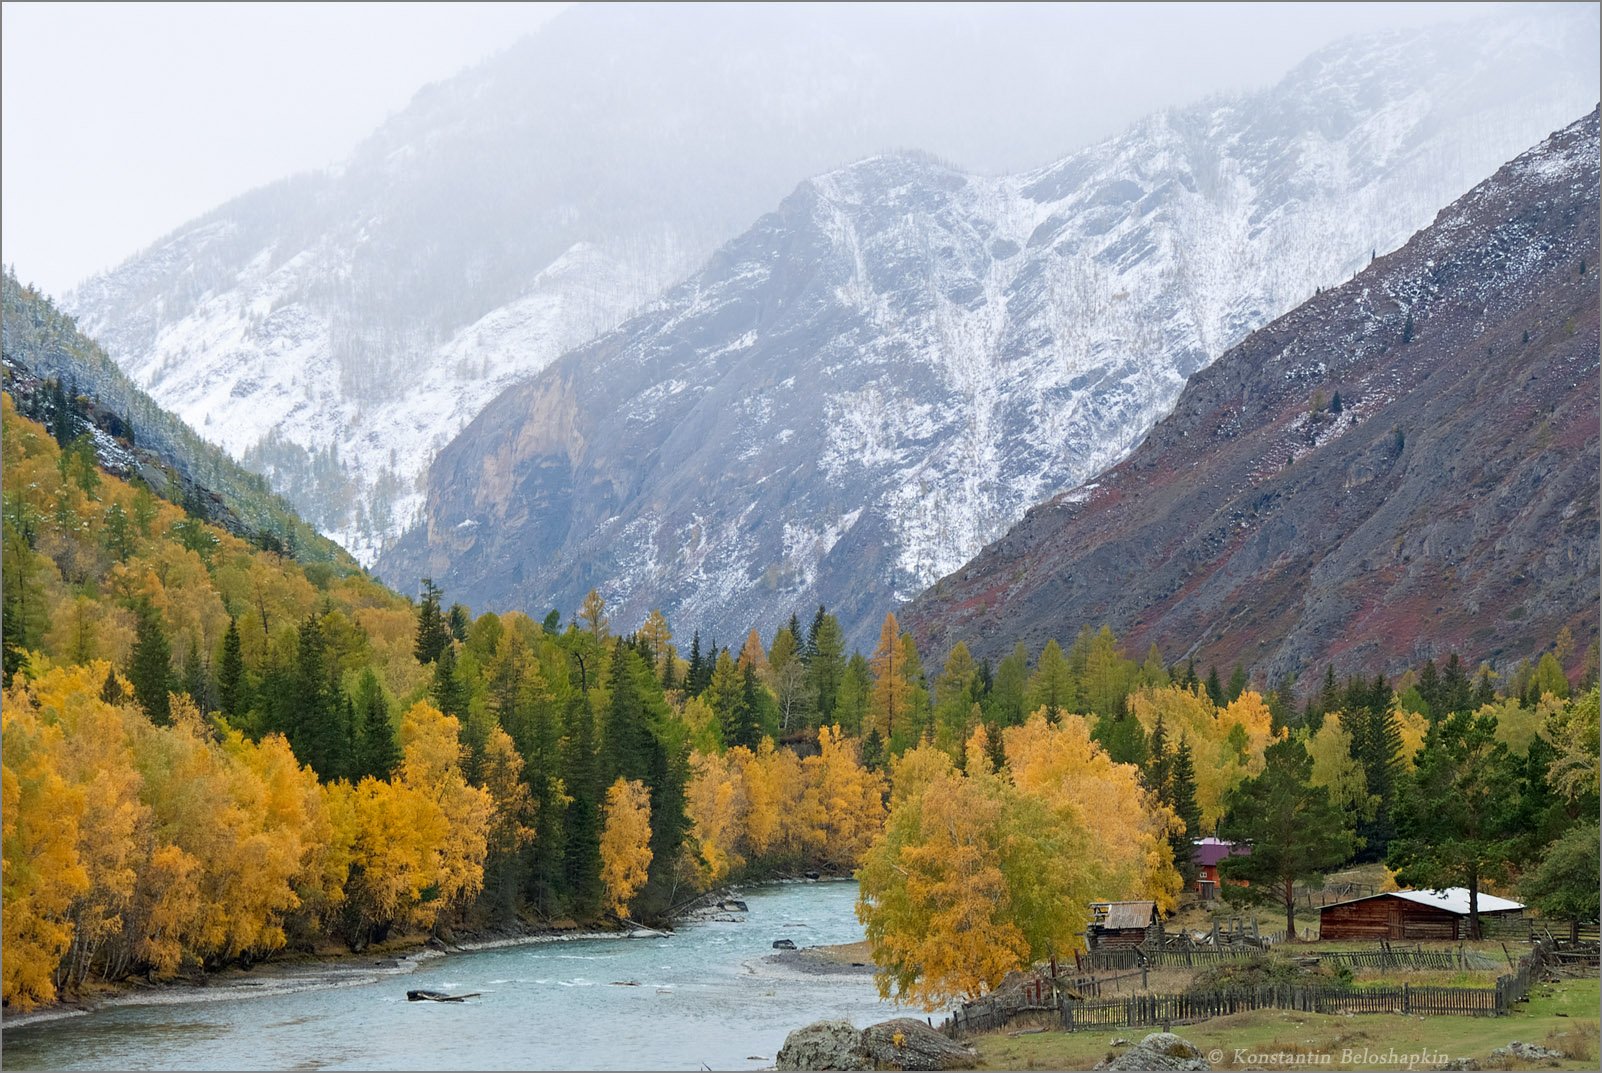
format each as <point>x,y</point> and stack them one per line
<point>150,666</point>
<point>312,721</point>
<point>111,689</point>
<point>1215,688</point>
<point>447,689</point>
<point>826,664</point>
<point>744,726</point>
<point>380,751</point>
<point>1158,762</point>
<point>1429,690</point>
<point>457,622</point>
<point>583,819</point>
<point>431,633</point>
<point>1238,684</point>
<point>231,673</point>
<point>692,674</point>
<point>1182,799</point>
<point>626,738</point>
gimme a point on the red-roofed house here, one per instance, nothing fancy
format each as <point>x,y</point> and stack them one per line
<point>1206,853</point>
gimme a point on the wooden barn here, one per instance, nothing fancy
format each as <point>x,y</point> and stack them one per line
<point>1115,924</point>
<point>1410,914</point>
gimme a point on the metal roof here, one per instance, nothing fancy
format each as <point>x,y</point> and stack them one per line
<point>1128,915</point>
<point>1451,899</point>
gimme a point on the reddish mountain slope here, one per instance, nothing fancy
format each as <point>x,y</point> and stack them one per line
<point>1451,503</point>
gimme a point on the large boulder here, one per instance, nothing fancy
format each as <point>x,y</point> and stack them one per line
<point>823,1045</point>
<point>904,1043</point>
<point>1159,1051</point>
<point>907,1043</point>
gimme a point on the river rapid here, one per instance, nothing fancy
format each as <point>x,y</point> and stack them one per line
<point>702,996</point>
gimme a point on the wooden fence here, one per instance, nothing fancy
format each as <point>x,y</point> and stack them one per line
<point>1137,1011</point>
<point>1202,956</point>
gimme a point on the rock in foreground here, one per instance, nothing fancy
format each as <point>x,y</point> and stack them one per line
<point>1159,1051</point>
<point>903,1043</point>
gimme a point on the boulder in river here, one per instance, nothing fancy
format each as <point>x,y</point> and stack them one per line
<point>784,944</point>
<point>904,1043</point>
<point>1159,1051</point>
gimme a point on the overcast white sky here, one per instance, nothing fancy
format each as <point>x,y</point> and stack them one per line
<point>122,121</point>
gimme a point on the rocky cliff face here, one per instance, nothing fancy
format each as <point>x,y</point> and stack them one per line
<point>880,376</point>
<point>1448,501</point>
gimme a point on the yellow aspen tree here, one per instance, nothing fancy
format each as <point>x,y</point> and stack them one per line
<point>715,802</point>
<point>774,786</point>
<point>1128,853</point>
<point>625,842</point>
<point>114,835</point>
<point>970,882</point>
<point>1337,770</point>
<point>40,872</point>
<point>432,765</point>
<point>844,801</point>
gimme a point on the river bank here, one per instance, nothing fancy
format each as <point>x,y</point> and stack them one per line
<point>330,967</point>
<point>670,1002</point>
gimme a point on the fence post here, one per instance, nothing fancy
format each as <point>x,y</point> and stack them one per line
<point>1407,999</point>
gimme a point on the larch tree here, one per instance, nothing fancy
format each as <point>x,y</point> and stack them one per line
<point>1051,688</point>
<point>890,703</point>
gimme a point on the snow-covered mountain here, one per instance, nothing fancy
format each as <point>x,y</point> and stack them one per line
<point>881,376</point>
<point>336,329</point>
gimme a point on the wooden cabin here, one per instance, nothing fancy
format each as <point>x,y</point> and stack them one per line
<point>1116,924</point>
<point>1205,854</point>
<point>1410,914</point>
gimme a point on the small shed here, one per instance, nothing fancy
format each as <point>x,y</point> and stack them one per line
<point>1205,854</point>
<point>1114,924</point>
<point>1410,914</point>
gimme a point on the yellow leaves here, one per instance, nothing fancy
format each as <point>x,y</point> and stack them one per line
<point>843,805</point>
<point>718,809</point>
<point>1335,768</point>
<point>41,873</point>
<point>512,827</point>
<point>432,767</point>
<point>1070,774</point>
<point>971,881</point>
<point>625,842</point>
<point>1226,743</point>
<point>771,808</point>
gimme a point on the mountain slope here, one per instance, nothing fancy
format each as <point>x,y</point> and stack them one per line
<point>336,329</point>
<point>850,399</point>
<point>59,376</point>
<point>1449,501</point>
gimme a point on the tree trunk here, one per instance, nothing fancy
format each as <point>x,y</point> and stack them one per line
<point>1290,910</point>
<point>1474,903</point>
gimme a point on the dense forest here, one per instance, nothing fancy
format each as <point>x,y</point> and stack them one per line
<point>213,752</point>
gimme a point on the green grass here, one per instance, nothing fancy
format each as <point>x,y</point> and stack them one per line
<point>1563,1016</point>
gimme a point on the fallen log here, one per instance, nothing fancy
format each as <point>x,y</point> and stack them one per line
<point>439,996</point>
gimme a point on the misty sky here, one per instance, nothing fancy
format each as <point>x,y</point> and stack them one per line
<point>123,121</point>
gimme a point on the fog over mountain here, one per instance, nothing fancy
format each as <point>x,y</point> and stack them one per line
<point>337,328</point>
<point>889,369</point>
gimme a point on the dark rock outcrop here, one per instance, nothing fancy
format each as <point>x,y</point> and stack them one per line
<point>1400,467</point>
